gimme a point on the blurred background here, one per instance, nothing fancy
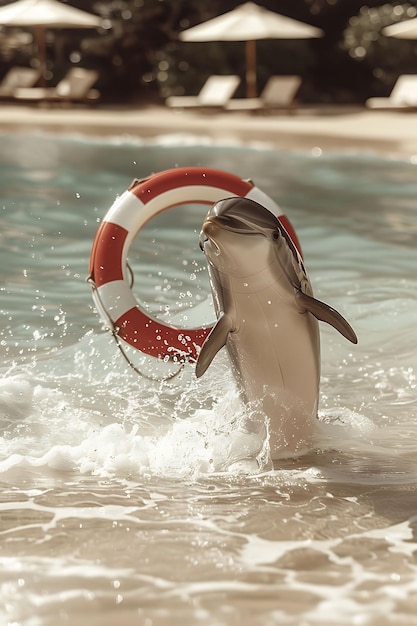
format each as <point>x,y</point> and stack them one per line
<point>140,58</point>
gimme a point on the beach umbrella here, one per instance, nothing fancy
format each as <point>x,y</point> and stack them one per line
<point>40,15</point>
<point>250,22</point>
<point>403,30</point>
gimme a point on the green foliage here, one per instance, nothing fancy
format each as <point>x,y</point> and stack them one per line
<point>386,56</point>
<point>139,56</point>
<point>125,52</point>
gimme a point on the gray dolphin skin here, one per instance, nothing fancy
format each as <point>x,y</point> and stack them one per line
<point>267,318</point>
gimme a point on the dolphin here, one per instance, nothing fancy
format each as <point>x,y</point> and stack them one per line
<point>267,318</point>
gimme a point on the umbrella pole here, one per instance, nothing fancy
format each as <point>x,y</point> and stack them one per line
<point>251,90</point>
<point>41,50</point>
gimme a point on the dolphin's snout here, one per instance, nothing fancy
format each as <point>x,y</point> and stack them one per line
<point>208,234</point>
<point>209,227</point>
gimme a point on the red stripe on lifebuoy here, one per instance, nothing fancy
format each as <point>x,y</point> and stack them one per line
<point>185,177</point>
<point>155,338</point>
<point>106,256</point>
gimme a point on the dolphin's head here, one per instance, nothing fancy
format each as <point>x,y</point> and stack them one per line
<point>241,237</point>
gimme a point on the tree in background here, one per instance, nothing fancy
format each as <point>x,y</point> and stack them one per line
<point>386,57</point>
<point>124,54</point>
<point>139,56</point>
<point>332,68</point>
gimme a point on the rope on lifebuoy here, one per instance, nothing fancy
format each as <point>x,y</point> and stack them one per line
<point>110,275</point>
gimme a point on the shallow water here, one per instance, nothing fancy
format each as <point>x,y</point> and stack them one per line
<point>118,501</point>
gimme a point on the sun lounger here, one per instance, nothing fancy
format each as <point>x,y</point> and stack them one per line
<point>215,93</point>
<point>278,93</point>
<point>18,77</point>
<point>74,87</point>
<point>403,95</point>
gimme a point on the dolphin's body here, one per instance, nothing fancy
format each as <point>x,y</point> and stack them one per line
<point>266,318</point>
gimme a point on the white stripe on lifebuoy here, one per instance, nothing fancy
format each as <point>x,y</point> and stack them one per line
<point>112,293</point>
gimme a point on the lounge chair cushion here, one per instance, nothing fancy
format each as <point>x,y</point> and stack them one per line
<point>279,92</point>
<point>18,77</point>
<point>76,85</point>
<point>216,92</point>
<point>403,95</point>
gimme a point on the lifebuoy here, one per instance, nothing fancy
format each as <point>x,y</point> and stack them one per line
<point>109,273</point>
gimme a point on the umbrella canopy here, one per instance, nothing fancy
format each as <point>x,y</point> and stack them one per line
<point>46,13</point>
<point>247,23</point>
<point>403,30</point>
<point>42,14</point>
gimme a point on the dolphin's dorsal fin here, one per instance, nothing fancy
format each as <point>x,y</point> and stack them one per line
<point>326,313</point>
<point>214,342</point>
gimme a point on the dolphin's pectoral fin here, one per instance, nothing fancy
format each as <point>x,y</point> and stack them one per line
<point>326,313</point>
<point>214,342</point>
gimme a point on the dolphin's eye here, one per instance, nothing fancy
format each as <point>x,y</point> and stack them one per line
<point>275,235</point>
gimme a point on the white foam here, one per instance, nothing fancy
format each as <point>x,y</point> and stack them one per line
<point>87,411</point>
<point>16,400</point>
<point>92,414</point>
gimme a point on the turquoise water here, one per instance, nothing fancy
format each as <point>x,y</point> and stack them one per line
<point>116,502</point>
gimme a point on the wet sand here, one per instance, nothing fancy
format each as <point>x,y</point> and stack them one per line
<point>338,129</point>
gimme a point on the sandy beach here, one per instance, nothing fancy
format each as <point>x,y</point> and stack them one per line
<point>392,133</point>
